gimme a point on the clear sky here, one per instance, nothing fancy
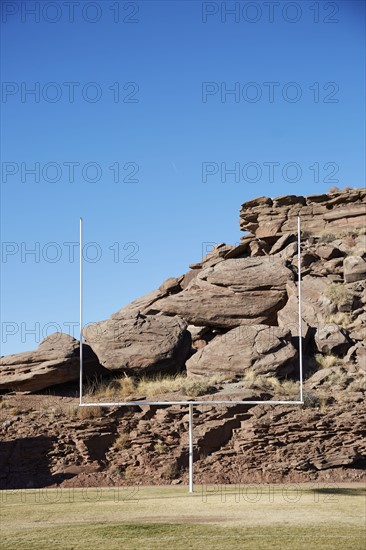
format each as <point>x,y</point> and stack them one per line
<point>121,112</point>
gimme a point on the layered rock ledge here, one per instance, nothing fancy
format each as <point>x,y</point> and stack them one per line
<point>327,213</point>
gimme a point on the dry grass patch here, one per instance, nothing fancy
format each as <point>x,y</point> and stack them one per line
<point>327,361</point>
<point>160,447</point>
<point>117,388</point>
<point>340,378</point>
<point>280,388</point>
<point>340,319</point>
<point>122,441</point>
<point>338,294</point>
<point>90,412</point>
<point>358,384</point>
<point>188,386</point>
<point>127,387</point>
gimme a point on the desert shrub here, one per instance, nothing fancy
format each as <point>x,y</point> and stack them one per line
<point>337,293</point>
<point>341,319</point>
<point>280,388</point>
<point>118,387</point>
<point>160,447</point>
<point>122,441</point>
<point>326,361</point>
<point>73,411</point>
<point>327,238</point>
<point>14,411</point>
<point>339,378</point>
<point>89,412</point>
<point>358,384</point>
<point>170,471</point>
<point>129,473</point>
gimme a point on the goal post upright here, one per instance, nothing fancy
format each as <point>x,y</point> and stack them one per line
<point>299,300</point>
<point>190,489</point>
<point>81,307</point>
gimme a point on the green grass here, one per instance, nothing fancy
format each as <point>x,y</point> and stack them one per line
<point>216,517</point>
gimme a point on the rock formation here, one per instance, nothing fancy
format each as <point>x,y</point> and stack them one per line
<point>55,361</point>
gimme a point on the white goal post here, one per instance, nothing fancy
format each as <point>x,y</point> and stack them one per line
<point>191,402</point>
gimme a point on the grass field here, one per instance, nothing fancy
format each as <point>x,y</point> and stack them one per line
<point>214,517</point>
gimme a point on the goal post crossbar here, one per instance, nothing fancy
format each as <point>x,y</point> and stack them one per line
<point>299,401</point>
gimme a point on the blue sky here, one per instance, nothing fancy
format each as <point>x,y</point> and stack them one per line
<point>142,90</point>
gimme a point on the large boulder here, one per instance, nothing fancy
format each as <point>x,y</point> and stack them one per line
<point>354,269</point>
<point>316,307</point>
<point>140,344</point>
<point>55,361</point>
<point>231,293</point>
<point>330,338</point>
<point>265,349</point>
<point>288,318</point>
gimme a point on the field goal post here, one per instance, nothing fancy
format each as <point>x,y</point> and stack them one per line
<point>190,403</point>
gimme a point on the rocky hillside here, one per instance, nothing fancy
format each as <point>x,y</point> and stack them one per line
<point>227,330</point>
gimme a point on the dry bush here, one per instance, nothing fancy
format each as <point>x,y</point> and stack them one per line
<point>337,293</point>
<point>159,384</point>
<point>73,411</point>
<point>14,411</point>
<point>327,237</point>
<point>122,441</point>
<point>358,384</point>
<point>89,412</point>
<point>339,378</point>
<point>327,361</point>
<point>341,319</point>
<point>129,473</point>
<point>160,447</point>
<point>280,388</point>
<point>170,471</point>
<point>117,388</point>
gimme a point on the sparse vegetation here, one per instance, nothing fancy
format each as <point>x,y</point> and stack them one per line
<point>281,388</point>
<point>170,471</point>
<point>126,386</point>
<point>327,237</point>
<point>328,360</point>
<point>122,441</point>
<point>89,412</point>
<point>14,411</point>
<point>334,189</point>
<point>341,319</point>
<point>160,447</point>
<point>340,378</point>
<point>358,384</point>
<point>338,294</point>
